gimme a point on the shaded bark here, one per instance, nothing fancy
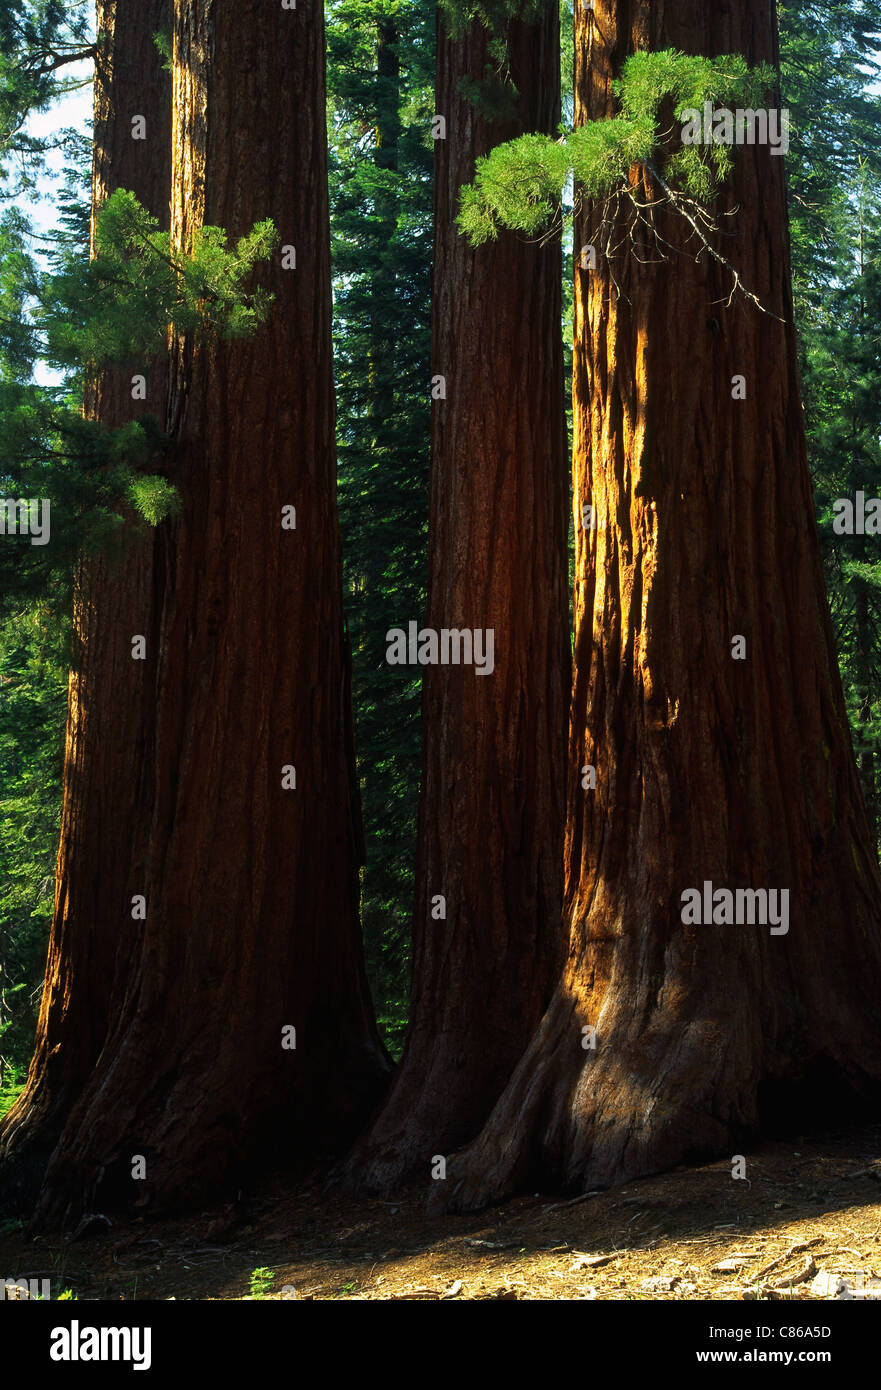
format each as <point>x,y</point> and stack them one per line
<point>864,666</point>
<point>740,773</point>
<point>490,818</point>
<point>111,701</point>
<point>864,635</point>
<point>252,889</point>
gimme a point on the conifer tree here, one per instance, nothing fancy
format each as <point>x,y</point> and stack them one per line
<point>486,926</point>
<point>381,99</point>
<point>707,699</point>
<point>830,67</point>
<point>241,1034</point>
<point>107,768</point>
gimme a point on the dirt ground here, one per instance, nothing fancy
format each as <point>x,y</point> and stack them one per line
<point>807,1216</point>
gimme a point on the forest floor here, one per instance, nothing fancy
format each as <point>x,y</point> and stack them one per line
<point>806,1218</point>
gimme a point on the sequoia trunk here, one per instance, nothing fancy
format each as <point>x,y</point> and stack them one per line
<point>246,1035</point>
<point>487,925</point>
<point>111,700</point>
<point>711,769</point>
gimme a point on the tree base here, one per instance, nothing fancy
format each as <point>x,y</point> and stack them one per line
<point>604,1119</point>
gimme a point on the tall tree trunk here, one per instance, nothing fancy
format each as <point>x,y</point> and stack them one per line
<point>864,634</point>
<point>736,772</point>
<point>864,667</point>
<point>490,819</point>
<point>252,889</point>
<point>111,699</point>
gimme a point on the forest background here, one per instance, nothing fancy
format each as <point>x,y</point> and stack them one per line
<point>380,107</point>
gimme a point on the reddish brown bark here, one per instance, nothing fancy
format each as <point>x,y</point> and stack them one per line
<point>252,890</point>
<point>110,697</point>
<point>490,820</point>
<point>709,769</point>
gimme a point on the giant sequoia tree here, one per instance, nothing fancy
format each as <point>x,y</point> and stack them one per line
<point>486,936</point>
<point>242,1028</point>
<point>110,697</point>
<point>718,762</point>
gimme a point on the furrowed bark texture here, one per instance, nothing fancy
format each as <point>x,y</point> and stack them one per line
<point>111,699</point>
<point>490,820</point>
<point>736,772</point>
<point>252,890</point>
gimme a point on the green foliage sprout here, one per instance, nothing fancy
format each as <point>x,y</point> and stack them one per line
<point>120,307</point>
<point>117,309</point>
<point>164,43</point>
<point>519,185</point>
<point>261,1282</point>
